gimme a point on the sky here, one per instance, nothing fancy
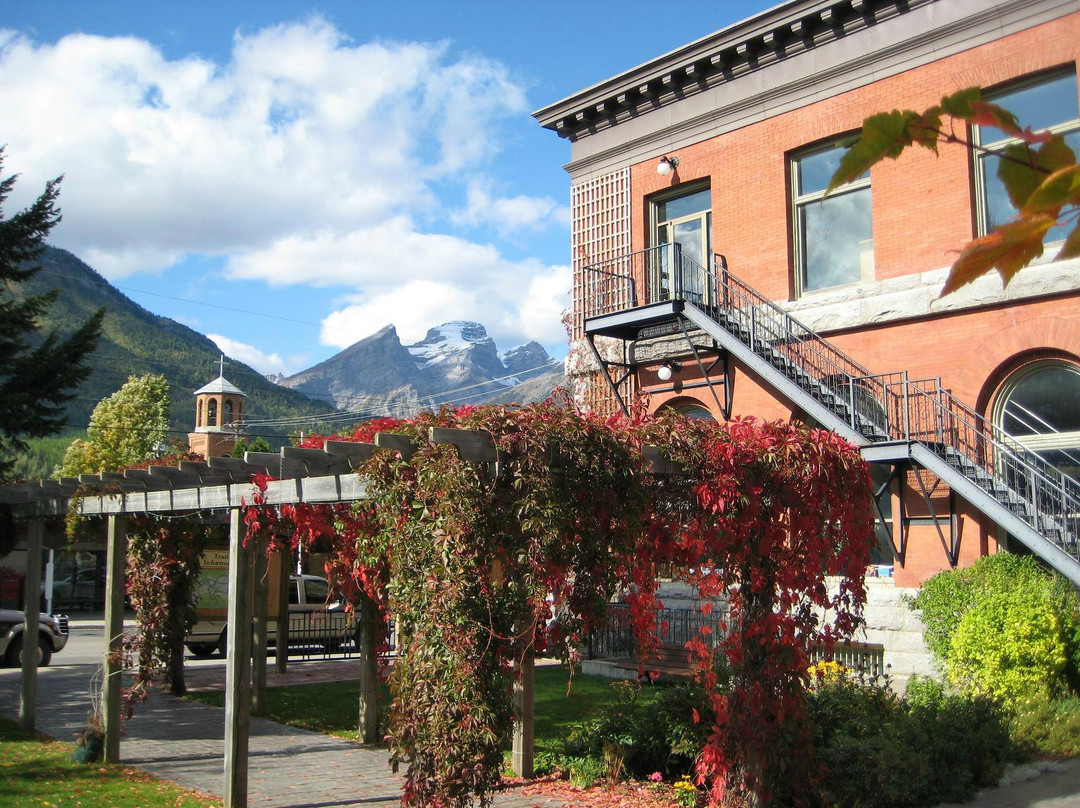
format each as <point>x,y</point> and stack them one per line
<point>288,178</point>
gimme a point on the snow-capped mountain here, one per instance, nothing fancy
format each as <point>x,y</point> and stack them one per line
<point>455,363</point>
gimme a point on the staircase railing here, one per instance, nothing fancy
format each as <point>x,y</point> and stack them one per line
<point>1035,490</point>
<point>878,406</point>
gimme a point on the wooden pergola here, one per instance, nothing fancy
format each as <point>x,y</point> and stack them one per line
<point>312,476</point>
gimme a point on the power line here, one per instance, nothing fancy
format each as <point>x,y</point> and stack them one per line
<point>384,401</point>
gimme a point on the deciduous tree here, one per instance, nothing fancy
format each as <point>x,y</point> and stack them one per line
<point>124,430</point>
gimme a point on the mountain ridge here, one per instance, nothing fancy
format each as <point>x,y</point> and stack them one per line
<point>456,362</point>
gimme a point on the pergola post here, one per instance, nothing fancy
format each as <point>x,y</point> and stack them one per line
<point>369,671</point>
<point>524,689</point>
<point>238,667</point>
<point>31,609</point>
<point>281,638</point>
<point>115,563</point>
<point>261,634</point>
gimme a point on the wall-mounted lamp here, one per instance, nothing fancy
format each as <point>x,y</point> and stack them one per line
<point>665,371</point>
<point>667,165</point>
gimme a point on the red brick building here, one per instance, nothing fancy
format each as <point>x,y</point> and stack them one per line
<point>968,405</point>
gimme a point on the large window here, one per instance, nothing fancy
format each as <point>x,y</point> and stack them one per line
<point>1040,406</point>
<point>1048,103</point>
<point>834,237</point>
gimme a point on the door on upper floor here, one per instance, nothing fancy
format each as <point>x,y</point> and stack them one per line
<point>681,265</point>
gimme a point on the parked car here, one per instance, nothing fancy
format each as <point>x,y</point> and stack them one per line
<point>79,589</point>
<point>52,636</point>
<point>313,618</point>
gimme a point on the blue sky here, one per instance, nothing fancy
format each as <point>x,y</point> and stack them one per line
<point>288,178</point>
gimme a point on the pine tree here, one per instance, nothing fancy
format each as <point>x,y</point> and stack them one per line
<point>39,373</point>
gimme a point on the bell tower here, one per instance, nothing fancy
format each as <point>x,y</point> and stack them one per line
<point>219,416</point>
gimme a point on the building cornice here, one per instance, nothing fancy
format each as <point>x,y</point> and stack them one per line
<point>726,55</point>
<point>818,56</point>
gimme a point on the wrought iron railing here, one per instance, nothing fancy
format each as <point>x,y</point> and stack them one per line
<point>1036,491</point>
<point>675,627</point>
<point>880,407</point>
<point>329,634</point>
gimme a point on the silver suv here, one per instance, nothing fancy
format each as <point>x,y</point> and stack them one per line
<point>52,636</point>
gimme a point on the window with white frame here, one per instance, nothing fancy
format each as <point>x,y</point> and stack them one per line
<point>1046,103</point>
<point>834,237</point>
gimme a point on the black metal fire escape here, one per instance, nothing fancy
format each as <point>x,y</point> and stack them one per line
<point>894,419</point>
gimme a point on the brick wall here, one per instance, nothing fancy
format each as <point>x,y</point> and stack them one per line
<point>922,214</point>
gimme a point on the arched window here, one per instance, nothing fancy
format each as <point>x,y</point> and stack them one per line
<point>198,415</point>
<point>695,411</point>
<point>228,413</point>
<point>1039,405</point>
<point>211,412</point>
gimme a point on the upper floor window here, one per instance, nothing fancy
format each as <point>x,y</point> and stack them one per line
<point>834,237</point>
<point>1047,103</point>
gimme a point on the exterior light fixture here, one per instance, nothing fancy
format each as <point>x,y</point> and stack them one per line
<point>667,165</point>
<point>665,371</point>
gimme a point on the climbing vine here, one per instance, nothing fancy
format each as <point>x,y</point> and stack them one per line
<point>163,566</point>
<point>481,562</point>
<point>777,510</point>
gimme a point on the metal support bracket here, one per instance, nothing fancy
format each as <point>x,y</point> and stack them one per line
<point>728,382</point>
<point>899,553</point>
<point>951,546</point>
<point>604,365</point>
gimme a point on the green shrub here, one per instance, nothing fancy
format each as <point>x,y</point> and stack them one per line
<point>1047,727</point>
<point>635,738</point>
<point>1010,645</point>
<point>1004,625</point>
<point>966,737</point>
<point>881,771</point>
<point>586,771</point>
<point>882,751</point>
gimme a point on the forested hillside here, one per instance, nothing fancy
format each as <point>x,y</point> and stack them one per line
<point>135,341</point>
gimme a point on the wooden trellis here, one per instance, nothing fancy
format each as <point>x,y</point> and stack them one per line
<point>312,476</point>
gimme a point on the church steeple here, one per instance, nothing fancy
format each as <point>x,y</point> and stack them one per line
<point>219,416</point>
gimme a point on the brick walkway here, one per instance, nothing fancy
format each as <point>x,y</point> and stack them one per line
<point>183,741</point>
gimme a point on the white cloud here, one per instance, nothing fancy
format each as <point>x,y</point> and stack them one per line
<point>514,312</point>
<point>301,129</point>
<point>510,214</point>
<point>413,308</point>
<point>250,355</point>
<point>306,158</point>
<point>548,297</point>
<point>386,253</point>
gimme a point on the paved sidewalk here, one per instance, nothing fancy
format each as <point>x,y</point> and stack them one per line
<point>183,741</point>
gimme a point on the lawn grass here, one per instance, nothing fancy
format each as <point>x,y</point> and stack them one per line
<point>38,771</point>
<point>331,707</point>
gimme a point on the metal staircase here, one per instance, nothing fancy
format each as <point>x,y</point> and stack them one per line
<point>892,418</point>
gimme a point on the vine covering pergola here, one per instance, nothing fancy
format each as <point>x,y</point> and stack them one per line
<point>474,528</point>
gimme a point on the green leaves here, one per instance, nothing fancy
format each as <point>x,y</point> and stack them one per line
<point>1038,172</point>
<point>884,135</point>
<point>124,428</point>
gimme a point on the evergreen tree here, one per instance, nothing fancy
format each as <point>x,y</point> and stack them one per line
<point>39,373</point>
